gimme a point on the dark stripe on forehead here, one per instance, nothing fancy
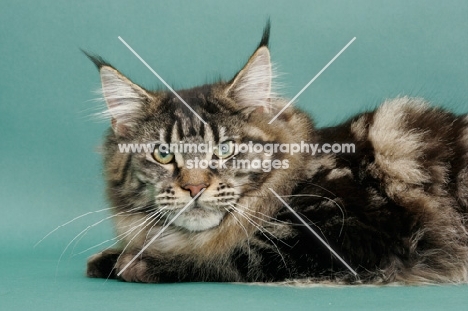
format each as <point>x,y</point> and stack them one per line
<point>187,126</point>
<point>168,133</point>
<point>188,122</point>
<point>202,130</point>
<point>180,130</point>
<point>215,131</point>
<point>192,131</point>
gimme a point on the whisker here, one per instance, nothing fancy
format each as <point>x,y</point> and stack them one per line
<point>246,209</point>
<point>310,222</point>
<point>133,229</point>
<point>262,227</point>
<point>69,222</point>
<point>118,238</point>
<point>243,227</point>
<point>119,223</point>
<point>79,234</point>
<point>314,233</point>
<point>125,234</point>
<point>153,217</point>
<point>86,232</point>
<point>162,214</point>
<point>323,188</point>
<point>322,197</point>
<point>341,208</point>
<point>161,231</point>
<point>262,232</point>
<point>238,221</point>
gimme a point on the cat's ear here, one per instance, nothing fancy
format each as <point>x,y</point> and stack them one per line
<point>124,98</point>
<point>251,88</point>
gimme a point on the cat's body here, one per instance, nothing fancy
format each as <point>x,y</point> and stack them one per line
<point>395,209</point>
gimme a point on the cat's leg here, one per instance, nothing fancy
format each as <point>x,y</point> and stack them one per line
<point>169,269</point>
<point>143,269</point>
<point>102,265</point>
<point>109,263</point>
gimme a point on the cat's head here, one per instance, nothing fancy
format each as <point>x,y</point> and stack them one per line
<point>207,128</point>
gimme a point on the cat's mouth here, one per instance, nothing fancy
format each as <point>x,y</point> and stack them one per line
<point>199,218</point>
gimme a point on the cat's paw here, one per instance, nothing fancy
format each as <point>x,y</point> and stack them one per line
<point>101,265</point>
<point>137,271</point>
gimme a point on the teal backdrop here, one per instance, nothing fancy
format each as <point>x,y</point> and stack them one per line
<point>50,167</point>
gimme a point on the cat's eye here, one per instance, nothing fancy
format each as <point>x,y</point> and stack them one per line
<point>224,150</point>
<point>162,157</point>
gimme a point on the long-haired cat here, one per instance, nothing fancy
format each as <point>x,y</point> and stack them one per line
<point>394,209</point>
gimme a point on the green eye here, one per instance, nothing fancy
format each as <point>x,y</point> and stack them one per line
<point>224,150</point>
<point>162,157</point>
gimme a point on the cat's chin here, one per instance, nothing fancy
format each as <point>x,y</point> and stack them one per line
<point>199,219</point>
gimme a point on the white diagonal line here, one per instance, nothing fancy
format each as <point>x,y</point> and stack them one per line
<point>313,79</point>
<point>161,79</point>
<point>315,233</point>
<point>160,232</point>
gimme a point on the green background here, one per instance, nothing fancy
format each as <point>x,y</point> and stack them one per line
<point>50,168</point>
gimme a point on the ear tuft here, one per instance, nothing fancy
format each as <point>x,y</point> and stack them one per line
<point>97,60</point>
<point>266,35</point>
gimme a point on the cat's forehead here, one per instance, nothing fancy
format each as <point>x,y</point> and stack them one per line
<point>175,122</point>
<point>192,130</point>
<point>195,112</point>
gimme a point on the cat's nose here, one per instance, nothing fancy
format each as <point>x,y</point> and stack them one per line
<point>194,189</point>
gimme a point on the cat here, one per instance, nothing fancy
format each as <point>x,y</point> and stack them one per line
<point>394,208</point>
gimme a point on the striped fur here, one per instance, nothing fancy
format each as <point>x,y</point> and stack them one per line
<point>395,209</point>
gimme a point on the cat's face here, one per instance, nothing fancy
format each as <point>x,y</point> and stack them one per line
<point>208,165</point>
<point>191,156</point>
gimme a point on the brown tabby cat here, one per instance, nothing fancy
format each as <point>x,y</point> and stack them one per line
<point>395,209</point>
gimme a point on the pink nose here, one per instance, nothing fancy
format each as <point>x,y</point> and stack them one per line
<point>194,189</point>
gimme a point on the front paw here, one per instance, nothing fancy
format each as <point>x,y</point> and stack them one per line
<point>139,270</point>
<point>101,265</point>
